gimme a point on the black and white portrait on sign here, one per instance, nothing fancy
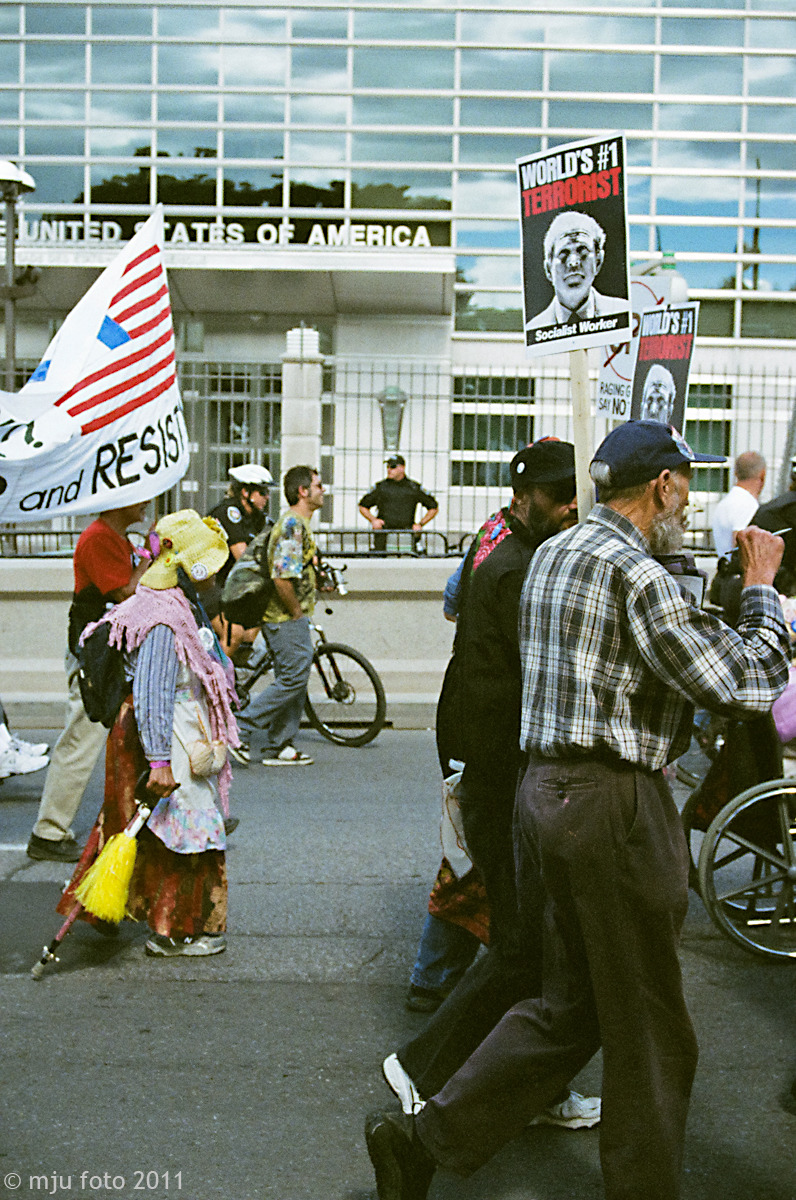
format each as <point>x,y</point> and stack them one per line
<point>574,252</point>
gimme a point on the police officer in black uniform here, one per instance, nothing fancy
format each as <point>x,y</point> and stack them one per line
<point>396,498</point>
<point>242,514</point>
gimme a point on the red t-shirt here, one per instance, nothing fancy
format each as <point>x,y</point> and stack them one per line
<point>102,557</point>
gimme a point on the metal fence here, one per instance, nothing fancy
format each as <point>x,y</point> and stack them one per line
<point>457,427</point>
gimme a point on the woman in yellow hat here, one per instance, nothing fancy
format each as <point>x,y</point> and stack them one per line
<point>173,729</point>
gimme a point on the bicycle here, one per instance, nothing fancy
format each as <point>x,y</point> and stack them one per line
<point>345,696</point>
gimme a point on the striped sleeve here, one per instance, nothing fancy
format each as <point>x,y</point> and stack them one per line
<point>154,687</point>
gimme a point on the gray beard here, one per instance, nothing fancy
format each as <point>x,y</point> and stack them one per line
<point>666,533</point>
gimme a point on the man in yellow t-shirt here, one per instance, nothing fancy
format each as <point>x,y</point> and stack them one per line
<point>276,711</point>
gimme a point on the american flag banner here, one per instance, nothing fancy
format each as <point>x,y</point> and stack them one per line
<point>99,424</point>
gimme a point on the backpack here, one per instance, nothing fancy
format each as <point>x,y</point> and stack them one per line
<point>100,676</point>
<point>249,587</point>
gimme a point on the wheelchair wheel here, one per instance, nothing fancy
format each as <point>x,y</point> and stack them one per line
<point>345,697</point>
<point>747,869</point>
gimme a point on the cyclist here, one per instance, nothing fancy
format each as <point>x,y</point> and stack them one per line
<point>242,514</point>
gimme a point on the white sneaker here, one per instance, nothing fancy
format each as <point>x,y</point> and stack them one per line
<point>288,756</point>
<point>404,1087</point>
<point>34,749</point>
<point>14,762</point>
<point>576,1112</point>
<point>191,947</point>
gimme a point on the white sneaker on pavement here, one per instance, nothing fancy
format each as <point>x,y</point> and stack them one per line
<point>400,1083</point>
<point>576,1112</point>
<point>288,756</point>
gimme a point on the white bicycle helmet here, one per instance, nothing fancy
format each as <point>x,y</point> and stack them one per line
<point>252,474</point>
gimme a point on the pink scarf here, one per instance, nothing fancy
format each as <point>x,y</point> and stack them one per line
<point>135,617</point>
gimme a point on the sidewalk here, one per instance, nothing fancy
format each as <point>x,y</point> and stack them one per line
<point>247,1076</point>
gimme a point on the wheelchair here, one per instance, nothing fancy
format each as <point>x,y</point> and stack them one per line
<point>740,823</point>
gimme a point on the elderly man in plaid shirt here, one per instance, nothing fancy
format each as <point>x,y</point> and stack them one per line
<point>614,659</point>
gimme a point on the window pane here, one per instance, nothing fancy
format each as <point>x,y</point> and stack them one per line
<point>58,184</point>
<point>53,141</point>
<point>496,312</point>
<point>253,25</point>
<point>124,186</point>
<point>715,318</point>
<point>699,154</point>
<point>254,143</point>
<point>188,143</point>
<point>708,75</point>
<point>501,70</point>
<point>700,31</point>
<point>721,117</point>
<point>54,106</point>
<point>250,187</point>
<point>9,63</point>
<point>773,197</point>
<point>48,62</point>
<point>578,72</point>
<point>713,239</point>
<point>400,148</point>
<point>9,140</point>
<point>773,35</point>
<point>9,108</point>
<point>402,110</point>
<point>185,185</point>
<point>55,18</point>
<point>382,67</point>
<point>773,156</point>
<point>400,189</point>
<point>117,143</point>
<point>695,196</point>
<point>249,66</point>
<point>113,20</point>
<point>602,30</point>
<point>183,105</point>
<point>124,107</point>
<point>121,62</point>
<point>494,148</point>
<point>586,115</point>
<point>423,26</point>
<point>708,274</point>
<point>505,432</point>
<point>771,241</point>
<point>497,234</point>
<point>770,118</point>
<point>317,147</point>
<point>639,152</point>
<point>774,320</point>
<point>486,271</point>
<point>318,23</point>
<point>257,107</point>
<point>9,18</point>
<point>770,277</point>
<point>198,22</point>
<point>319,110</point>
<point>480,192</point>
<point>188,64</point>
<point>511,28</point>
<point>476,110</point>
<point>322,67</point>
<point>315,189</point>
<point>771,77</point>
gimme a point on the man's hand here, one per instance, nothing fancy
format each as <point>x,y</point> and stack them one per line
<point>760,553</point>
<point>161,782</point>
<point>377,523</point>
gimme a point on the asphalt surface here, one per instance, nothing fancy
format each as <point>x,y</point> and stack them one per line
<point>248,1076</point>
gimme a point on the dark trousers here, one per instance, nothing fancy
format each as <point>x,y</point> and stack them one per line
<point>607,845</point>
<point>507,972</point>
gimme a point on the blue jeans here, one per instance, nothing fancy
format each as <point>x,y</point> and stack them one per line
<point>277,709</point>
<point>444,954</point>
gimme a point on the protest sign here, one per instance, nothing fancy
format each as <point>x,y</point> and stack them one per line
<point>574,237</point>
<point>99,424</point>
<point>663,362</point>
<point>615,379</point>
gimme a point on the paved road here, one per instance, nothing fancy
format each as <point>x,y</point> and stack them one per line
<point>247,1076</point>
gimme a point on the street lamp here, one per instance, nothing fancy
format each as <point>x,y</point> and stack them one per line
<point>391,402</point>
<point>13,182</point>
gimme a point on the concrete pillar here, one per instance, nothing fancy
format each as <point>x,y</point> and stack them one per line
<point>302,367</point>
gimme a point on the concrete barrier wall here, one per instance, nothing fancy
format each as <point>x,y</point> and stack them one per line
<point>393,614</point>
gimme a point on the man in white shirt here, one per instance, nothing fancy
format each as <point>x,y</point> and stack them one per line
<point>740,504</point>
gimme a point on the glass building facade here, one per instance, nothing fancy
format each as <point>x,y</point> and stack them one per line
<point>351,165</point>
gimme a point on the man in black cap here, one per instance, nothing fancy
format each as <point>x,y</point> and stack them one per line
<point>614,658</point>
<point>396,499</point>
<point>478,722</point>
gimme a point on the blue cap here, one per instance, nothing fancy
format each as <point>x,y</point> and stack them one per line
<point>639,450</point>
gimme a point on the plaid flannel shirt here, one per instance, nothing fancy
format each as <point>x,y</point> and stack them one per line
<point>614,656</point>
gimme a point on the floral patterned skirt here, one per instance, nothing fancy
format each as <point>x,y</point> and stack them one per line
<point>178,895</point>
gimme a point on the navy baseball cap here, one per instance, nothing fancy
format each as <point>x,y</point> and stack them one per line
<point>545,461</point>
<point>395,460</point>
<point>639,450</point>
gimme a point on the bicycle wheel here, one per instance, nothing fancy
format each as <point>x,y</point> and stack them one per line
<point>345,697</point>
<point>747,869</point>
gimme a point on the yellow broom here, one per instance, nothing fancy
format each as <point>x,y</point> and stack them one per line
<point>103,889</point>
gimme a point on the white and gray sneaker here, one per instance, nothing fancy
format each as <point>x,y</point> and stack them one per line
<point>31,749</point>
<point>575,1112</point>
<point>403,1086</point>
<point>288,756</point>
<point>191,947</point>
